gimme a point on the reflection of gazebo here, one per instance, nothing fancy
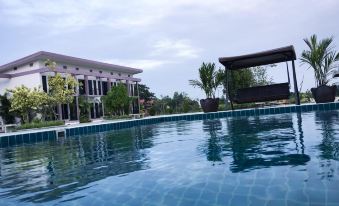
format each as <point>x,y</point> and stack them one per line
<point>267,92</point>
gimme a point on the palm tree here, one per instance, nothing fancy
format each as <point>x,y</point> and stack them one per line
<point>210,79</point>
<point>322,57</point>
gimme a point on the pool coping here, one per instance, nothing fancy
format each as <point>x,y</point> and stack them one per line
<point>110,125</point>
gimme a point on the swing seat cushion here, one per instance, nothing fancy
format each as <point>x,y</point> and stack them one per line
<point>263,93</point>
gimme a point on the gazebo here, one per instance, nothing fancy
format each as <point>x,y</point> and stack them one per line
<point>268,92</point>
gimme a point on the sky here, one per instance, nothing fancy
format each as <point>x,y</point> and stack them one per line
<point>168,39</point>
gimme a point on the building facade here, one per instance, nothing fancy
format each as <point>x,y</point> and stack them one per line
<point>95,80</point>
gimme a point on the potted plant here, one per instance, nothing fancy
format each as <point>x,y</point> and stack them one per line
<point>322,57</point>
<point>210,79</point>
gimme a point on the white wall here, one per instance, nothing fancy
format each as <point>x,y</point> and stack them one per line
<point>30,81</point>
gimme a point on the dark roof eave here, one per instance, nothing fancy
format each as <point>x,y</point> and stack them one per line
<point>258,59</point>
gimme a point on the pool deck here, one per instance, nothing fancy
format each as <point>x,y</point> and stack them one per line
<point>109,125</point>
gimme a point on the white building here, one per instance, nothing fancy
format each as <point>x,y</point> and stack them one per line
<point>96,79</point>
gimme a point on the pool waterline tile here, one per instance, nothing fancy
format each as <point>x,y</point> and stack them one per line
<point>104,126</point>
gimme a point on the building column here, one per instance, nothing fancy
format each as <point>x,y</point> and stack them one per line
<point>109,87</point>
<point>59,111</point>
<point>77,99</point>
<point>94,109</point>
<point>138,96</point>
<point>87,94</point>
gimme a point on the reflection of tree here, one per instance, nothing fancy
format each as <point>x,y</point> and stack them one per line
<point>213,148</point>
<point>50,170</point>
<point>256,142</point>
<point>329,146</point>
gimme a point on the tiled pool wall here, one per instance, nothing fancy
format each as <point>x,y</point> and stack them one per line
<point>43,135</point>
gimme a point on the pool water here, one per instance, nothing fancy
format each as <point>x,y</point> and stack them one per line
<point>286,159</point>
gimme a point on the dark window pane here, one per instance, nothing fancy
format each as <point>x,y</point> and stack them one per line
<point>104,88</point>
<point>99,87</point>
<point>95,87</point>
<point>90,87</point>
<point>81,87</point>
<point>44,83</point>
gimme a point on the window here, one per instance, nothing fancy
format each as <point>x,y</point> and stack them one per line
<point>15,68</point>
<point>81,86</point>
<point>95,87</point>
<point>65,67</point>
<point>104,88</point>
<point>90,87</point>
<point>31,64</point>
<point>111,73</point>
<point>99,87</point>
<point>100,72</point>
<point>77,68</point>
<point>44,83</point>
<point>129,75</point>
<point>119,74</point>
<point>90,70</point>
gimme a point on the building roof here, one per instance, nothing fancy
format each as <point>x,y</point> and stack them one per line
<point>258,59</point>
<point>60,58</point>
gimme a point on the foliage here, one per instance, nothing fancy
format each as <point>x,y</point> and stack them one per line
<point>210,79</point>
<point>26,101</point>
<point>260,76</point>
<point>117,100</point>
<point>145,93</point>
<point>84,107</point>
<point>5,106</point>
<point>39,124</point>
<point>61,90</point>
<point>179,103</point>
<point>320,56</point>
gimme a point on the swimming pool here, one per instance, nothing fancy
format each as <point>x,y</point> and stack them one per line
<point>282,159</point>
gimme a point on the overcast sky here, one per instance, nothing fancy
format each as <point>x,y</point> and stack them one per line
<point>168,39</point>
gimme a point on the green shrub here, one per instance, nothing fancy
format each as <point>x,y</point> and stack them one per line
<point>39,124</point>
<point>152,111</point>
<point>84,119</point>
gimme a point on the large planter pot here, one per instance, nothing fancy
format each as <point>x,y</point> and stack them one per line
<point>324,93</point>
<point>209,104</point>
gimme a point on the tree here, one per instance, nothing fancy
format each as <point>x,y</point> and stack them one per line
<point>26,101</point>
<point>210,79</point>
<point>61,90</point>
<point>145,93</point>
<point>5,106</point>
<point>320,56</point>
<point>117,100</point>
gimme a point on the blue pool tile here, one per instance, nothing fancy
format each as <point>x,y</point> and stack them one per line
<point>44,135</point>
<point>332,106</point>
<point>4,141</point>
<point>18,139</point>
<point>39,136</point>
<point>25,137</point>
<point>11,140</point>
<point>50,135</point>
<point>33,137</point>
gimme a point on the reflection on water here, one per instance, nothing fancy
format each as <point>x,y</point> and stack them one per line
<point>256,142</point>
<point>49,170</point>
<point>180,162</point>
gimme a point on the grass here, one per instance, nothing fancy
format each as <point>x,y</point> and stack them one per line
<point>33,125</point>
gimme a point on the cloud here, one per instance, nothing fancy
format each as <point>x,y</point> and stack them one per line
<point>74,15</point>
<point>172,48</point>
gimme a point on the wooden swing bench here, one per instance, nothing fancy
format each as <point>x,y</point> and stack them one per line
<point>262,93</point>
